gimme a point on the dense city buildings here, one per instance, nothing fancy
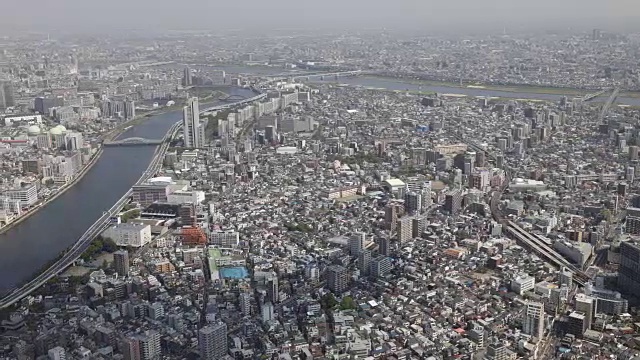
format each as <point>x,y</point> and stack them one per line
<point>301,210</point>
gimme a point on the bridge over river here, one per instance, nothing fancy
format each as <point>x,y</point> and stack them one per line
<point>133,141</point>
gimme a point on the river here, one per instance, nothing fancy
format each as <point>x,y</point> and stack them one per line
<point>399,84</point>
<point>402,85</point>
<point>27,247</point>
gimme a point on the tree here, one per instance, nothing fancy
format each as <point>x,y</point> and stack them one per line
<point>347,303</point>
<point>132,214</point>
<point>328,301</point>
<point>109,245</point>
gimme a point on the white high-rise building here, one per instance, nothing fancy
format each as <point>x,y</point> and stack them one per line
<point>534,320</point>
<point>193,131</point>
<point>245,303</point>
<point>587,305</point>
<point>212,341</point>
<point>268,312</point>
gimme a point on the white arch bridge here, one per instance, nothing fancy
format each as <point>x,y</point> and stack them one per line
<point>133,141</point>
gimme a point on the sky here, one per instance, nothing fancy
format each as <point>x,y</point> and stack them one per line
<point>441,15</point>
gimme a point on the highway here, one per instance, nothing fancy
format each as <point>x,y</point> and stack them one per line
<point>590,97</point>
<point>607,105</point>
<point>210,110</point>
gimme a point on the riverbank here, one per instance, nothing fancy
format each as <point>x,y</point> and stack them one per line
<point>62,190</point>
<point>85,169</point>
<point>529,89</point>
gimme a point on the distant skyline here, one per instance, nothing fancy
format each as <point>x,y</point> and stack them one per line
<point>430,15</point>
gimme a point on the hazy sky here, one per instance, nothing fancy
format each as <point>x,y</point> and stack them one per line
<point>105,15</point>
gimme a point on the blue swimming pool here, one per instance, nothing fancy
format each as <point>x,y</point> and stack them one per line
<point>239,272</point>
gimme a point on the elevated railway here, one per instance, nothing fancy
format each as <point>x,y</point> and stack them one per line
<point>533,242</point>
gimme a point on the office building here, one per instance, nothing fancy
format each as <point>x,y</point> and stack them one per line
<point>7,95</point>
<point>129,110</point>
<point>384,246</point>
<point>121,262</point>
<point>523,283</point>
<point>27,195</point>
<point>129,234</point>
<point>187,214</point>
<point>453,202</point>
<point>155,311</point>
<point>498,351</point>
<point>632,225</point>
<point>268,281</point>
<point>147,194</point>
<point>268,312</point>
<point>43,141</point>
<point>225,239</point>
<point>337,279</point>
<point>193,129</point>
<point>149,345</point>
<point>413,203</point>
<point>418,224</point>
<point>364,262</point>
<point>477,334</point>
<point>212,341</point>
<point>270,133</point>
<point>74,141</point>
<point>405,229</point>
<point>607,301</point>
<point>534,320</point>
<point>380,266</point>
<point>629,270</point>
<point>312,273</point>
<point>356,243</point>
<point>576,323</point>
<point>245,304</point>
<point>391,216</point>
<point>186,77</point>
<point>586,305</point>
<point>597,34</point>
<point>33,166</point>
<point>43,105</point>
<point>481,180</point>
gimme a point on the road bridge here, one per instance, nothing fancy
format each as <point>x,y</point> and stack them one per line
<point>212,109</point>
<point>321,75</point>
<point>232,98</point>
<point>607,105</point>
<point>132,141</point>
<point>590,97</point>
